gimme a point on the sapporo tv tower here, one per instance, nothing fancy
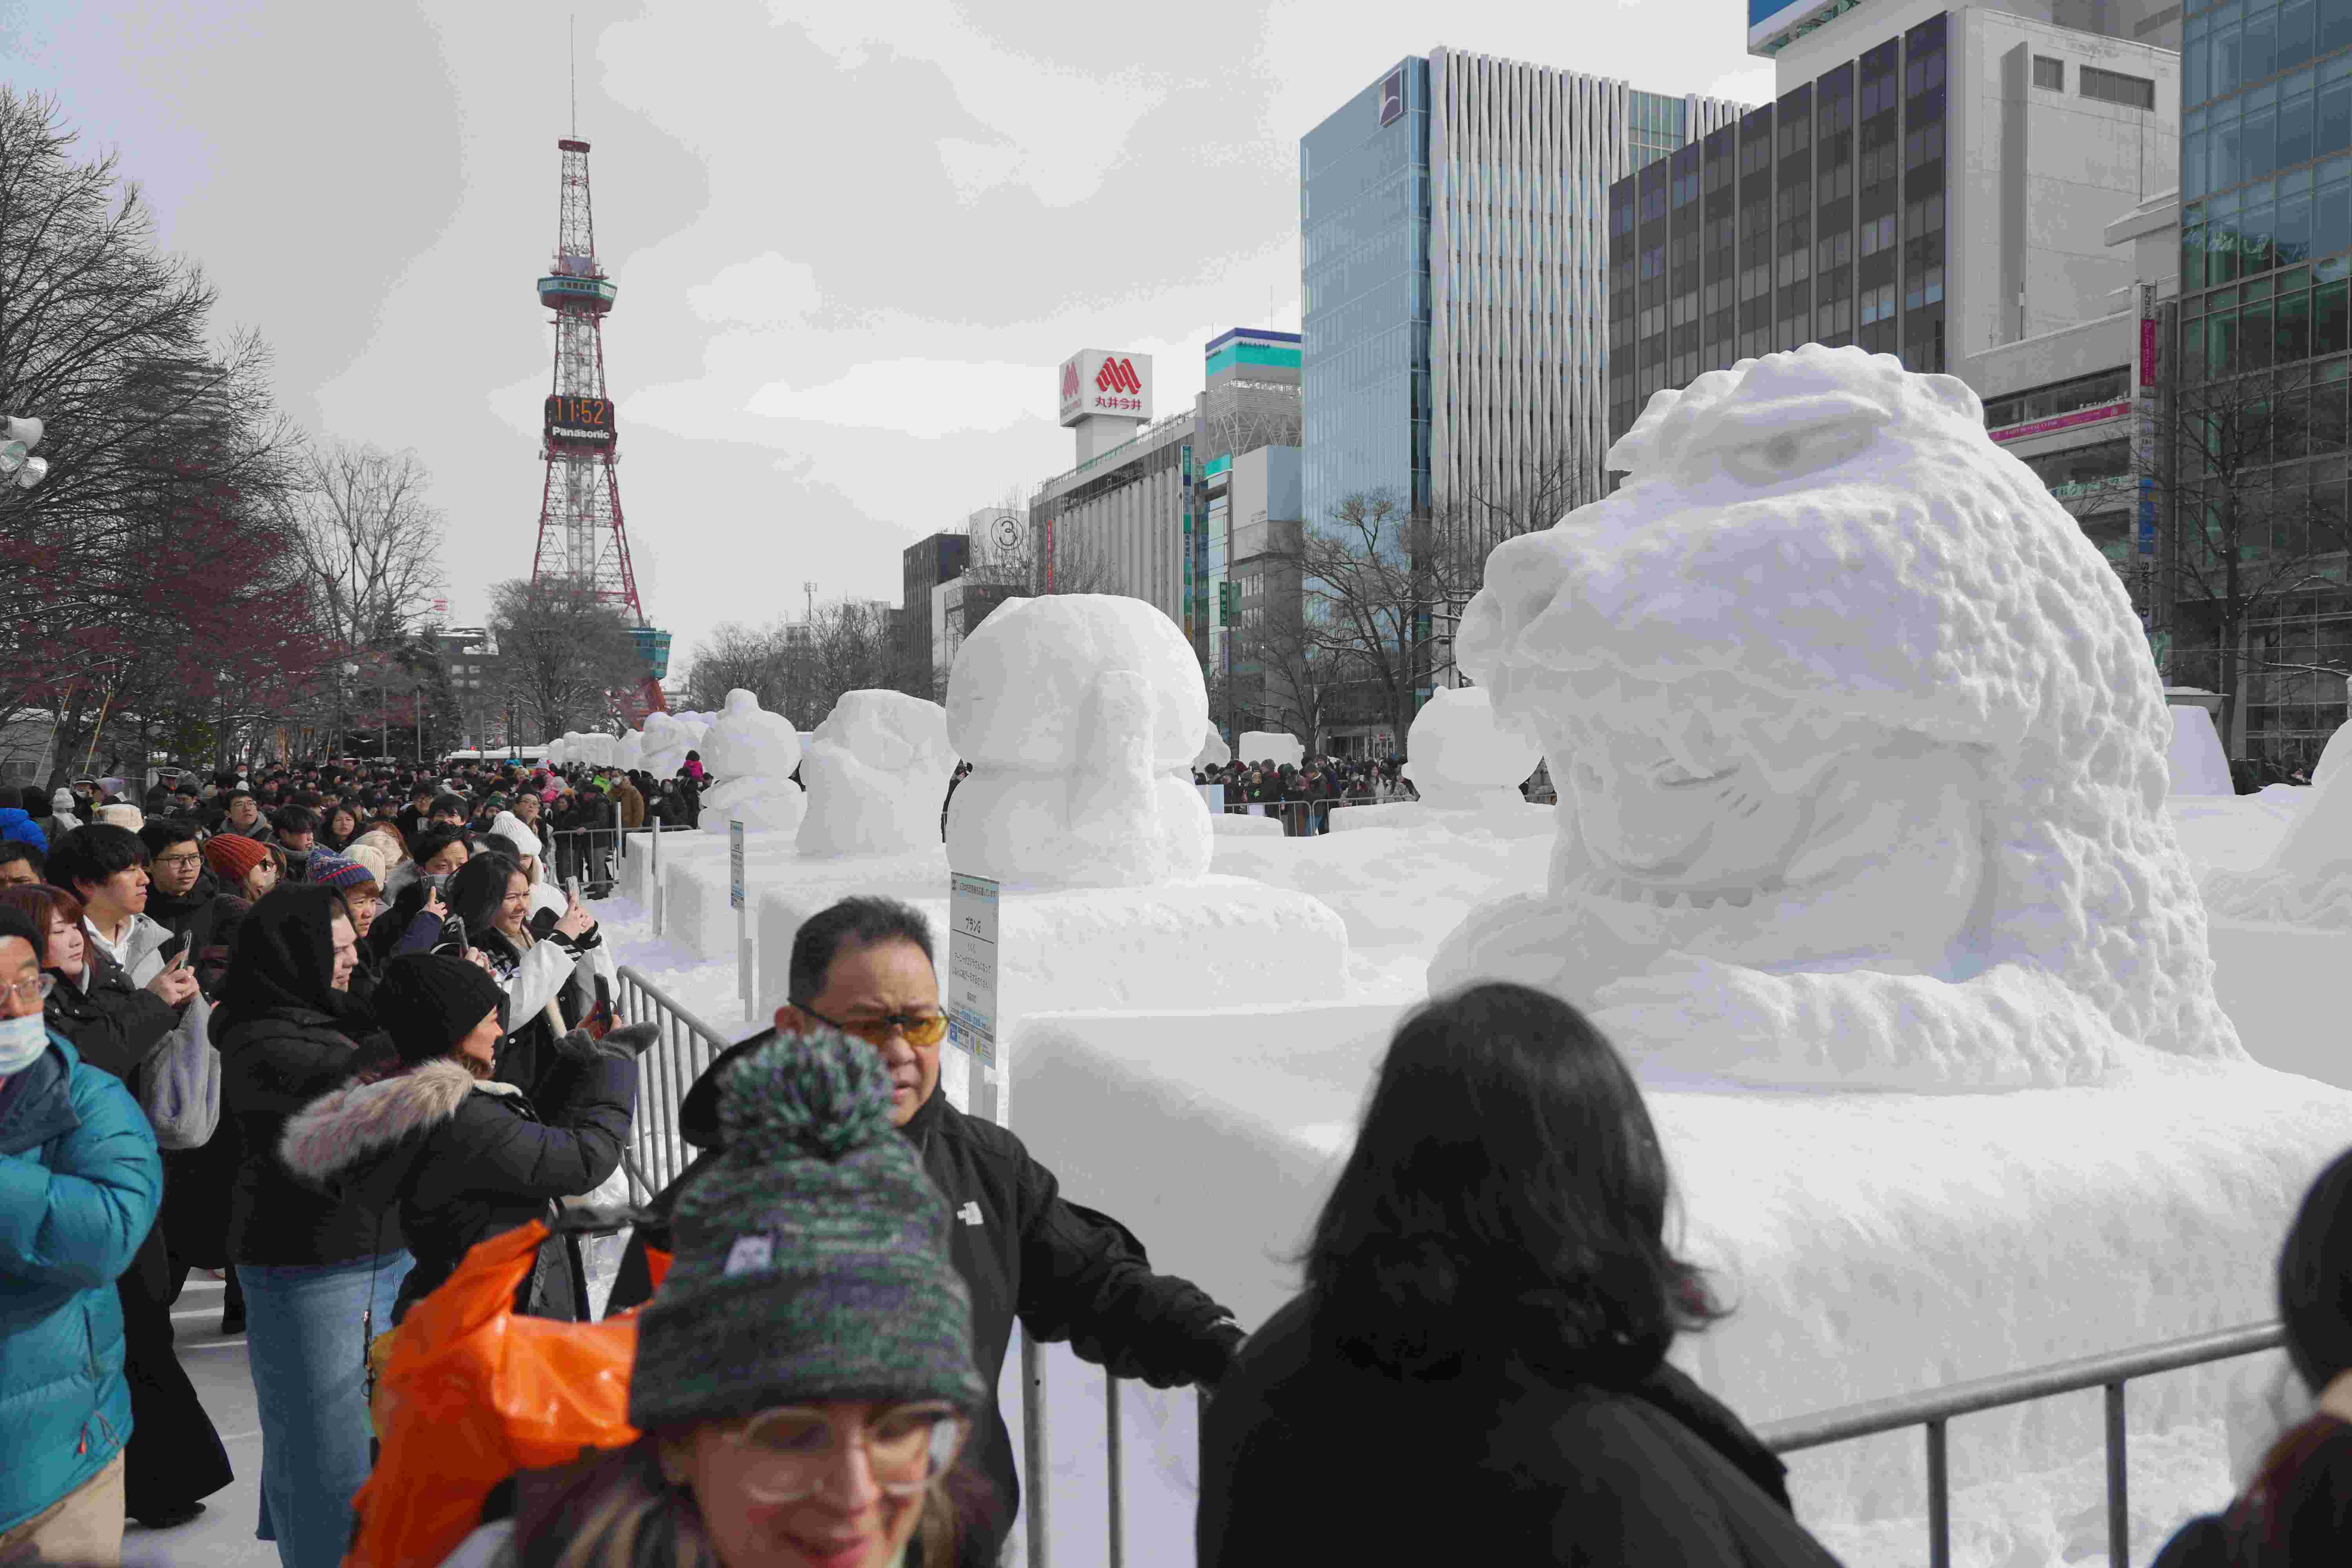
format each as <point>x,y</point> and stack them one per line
<point>581,538</point>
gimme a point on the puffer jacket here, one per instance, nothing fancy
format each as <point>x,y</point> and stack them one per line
<point>272,1065</point>
<point>80,1183</point>
<point>462,1161</point>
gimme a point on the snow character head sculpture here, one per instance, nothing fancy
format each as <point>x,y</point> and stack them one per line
<point>1461,757</point>
<point>877,771</point>
<point>1861,752</point>
<point>752,753</point>
<point>1080,715</point>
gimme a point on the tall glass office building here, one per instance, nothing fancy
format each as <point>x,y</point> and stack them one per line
<point>1451,217</point>
<point>2265,263</point>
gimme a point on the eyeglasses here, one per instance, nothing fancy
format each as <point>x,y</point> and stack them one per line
<point>178,862</point>
<point>919,1028</point>
<point>790,1450</point>
<point>35,990</point>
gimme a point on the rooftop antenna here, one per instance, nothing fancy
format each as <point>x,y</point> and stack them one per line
<point>571,36</point>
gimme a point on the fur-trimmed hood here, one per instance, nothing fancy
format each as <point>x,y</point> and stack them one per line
<point>361,1122</point>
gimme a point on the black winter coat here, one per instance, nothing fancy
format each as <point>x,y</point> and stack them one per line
<point>114,1025</point>
<point>1066,1271</point>
<point>1488,1468</point>
<point>2297,1514</point>
<point>461,1161</point>
<point>273,1064</point>
<point>209,919</point>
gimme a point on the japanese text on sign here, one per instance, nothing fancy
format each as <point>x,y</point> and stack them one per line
<point>972,965</point>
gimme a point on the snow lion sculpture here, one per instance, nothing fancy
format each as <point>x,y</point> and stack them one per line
<point>876,771</point>
<point>1862,753</point>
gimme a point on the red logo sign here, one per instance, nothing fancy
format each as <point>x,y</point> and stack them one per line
<point>1118,375</point>
<point>1070,380</point>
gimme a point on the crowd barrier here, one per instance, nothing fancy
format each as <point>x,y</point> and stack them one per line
<point>1935,1409</point>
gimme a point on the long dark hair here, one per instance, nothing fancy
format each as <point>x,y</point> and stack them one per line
<point>1506,1203</point>
<point>476,891</point>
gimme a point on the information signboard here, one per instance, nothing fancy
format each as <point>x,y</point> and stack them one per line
<point>972,965</point>
<point>734,865</point>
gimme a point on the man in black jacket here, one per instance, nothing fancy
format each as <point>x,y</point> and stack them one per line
<point>1066,1271</point>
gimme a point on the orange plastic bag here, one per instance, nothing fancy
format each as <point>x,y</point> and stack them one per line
<point>472,1393</point>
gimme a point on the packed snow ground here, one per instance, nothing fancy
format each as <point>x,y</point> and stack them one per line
<point>2006,1230</point>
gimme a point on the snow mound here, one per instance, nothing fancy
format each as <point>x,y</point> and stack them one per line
<point>1461,754</point>
<point>1213,752</point>
<point>668,738</point>
<point>752,753</point>
<point>2197,764</point>
<point>1863,759</point>
<point>1271,746</point>
<point>876,772</point>
<point>1080,715</point>
<point>629,751</point>
<point>2307,880</point>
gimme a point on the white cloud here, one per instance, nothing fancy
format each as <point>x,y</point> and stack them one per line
<point>765,289</point>
<point>920,397</point>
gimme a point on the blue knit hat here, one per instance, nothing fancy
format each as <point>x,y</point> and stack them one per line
<point>812,1259</point>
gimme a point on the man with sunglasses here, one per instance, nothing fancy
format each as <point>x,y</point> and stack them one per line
<point>1067,1272</point>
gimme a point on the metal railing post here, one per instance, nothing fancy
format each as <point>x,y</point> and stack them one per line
<point>1939,1496</point>
<point>1111,1450</point>
<point>653,873</point>
<point>1035,1468</point>
<point>2118,1497</point>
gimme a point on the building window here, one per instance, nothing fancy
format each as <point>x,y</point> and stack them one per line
<point>2049,73</point>
<point>2113,87</point>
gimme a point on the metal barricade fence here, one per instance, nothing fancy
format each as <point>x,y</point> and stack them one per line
<point>587,853</point>
<point>685,1047</point>
<point>1935,1408</point>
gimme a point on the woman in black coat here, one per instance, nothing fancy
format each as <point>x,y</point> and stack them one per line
<point>462,1156</point>
<point>174,1457</point>
<point>2297,1512</point>
<point>536,964</point>
<point>1479,1355</point>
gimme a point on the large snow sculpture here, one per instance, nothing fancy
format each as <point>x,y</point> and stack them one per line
<point>1080,715</point>
<point>2197,763</point>
<point>667,738</point>
<point>1861,754</point>
<point>752,753</point>
<point>1213,752</point>
<point>876,771</point>
<point>1460,757</point>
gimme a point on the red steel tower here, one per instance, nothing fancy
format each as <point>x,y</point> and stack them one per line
<point>581,538</point>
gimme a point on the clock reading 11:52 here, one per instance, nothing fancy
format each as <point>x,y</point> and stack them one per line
<point>580,421</point>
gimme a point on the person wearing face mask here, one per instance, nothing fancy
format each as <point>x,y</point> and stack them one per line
<point>804,1381</point>
<point>462,1156</point>
<point>320,1271</point>
<point>176,1458</point>
<point>80,1183</point>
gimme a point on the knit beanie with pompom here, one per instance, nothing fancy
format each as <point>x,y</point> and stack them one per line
<point>812,1259</point>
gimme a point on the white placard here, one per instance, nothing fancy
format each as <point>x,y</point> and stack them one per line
<point>734,865</point>
<point>972,965</point>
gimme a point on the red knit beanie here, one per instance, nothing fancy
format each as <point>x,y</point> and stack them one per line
<point>231,855</point>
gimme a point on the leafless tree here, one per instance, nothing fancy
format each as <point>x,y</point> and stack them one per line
<point>2243,536</point>
<point>1374,578</point>
<point>369,541</point>
<point>734,656</point>
<point>562,653</point>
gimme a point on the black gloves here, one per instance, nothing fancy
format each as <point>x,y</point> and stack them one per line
<point>628,1041</point>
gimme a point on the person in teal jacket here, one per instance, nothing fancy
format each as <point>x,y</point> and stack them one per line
<point>80,1183</point>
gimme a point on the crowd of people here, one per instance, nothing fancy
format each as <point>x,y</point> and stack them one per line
<point>415,1054</point>
<point>1303,793</point>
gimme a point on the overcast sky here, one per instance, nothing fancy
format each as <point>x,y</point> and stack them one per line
<point>853,239</point>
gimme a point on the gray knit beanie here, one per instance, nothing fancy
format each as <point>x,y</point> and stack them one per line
<point>812,1259</point>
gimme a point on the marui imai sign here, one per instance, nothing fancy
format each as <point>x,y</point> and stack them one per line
<point>1105,381</point>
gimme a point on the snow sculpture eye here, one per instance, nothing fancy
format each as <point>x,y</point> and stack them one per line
<point>1786,454</point>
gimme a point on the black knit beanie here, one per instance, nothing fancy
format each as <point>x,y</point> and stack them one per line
<point>812,1259</point>
<point>2315,1279</point>
<point>428,1002</point>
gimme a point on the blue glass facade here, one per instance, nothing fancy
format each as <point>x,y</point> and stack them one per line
<point>1363,225</point>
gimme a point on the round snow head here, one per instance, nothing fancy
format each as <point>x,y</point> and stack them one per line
<point>1458,749</point>
<point>1214,752</point>
<point>1271,746</point>
<point>1022,682</point>
<point>749,741</point>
